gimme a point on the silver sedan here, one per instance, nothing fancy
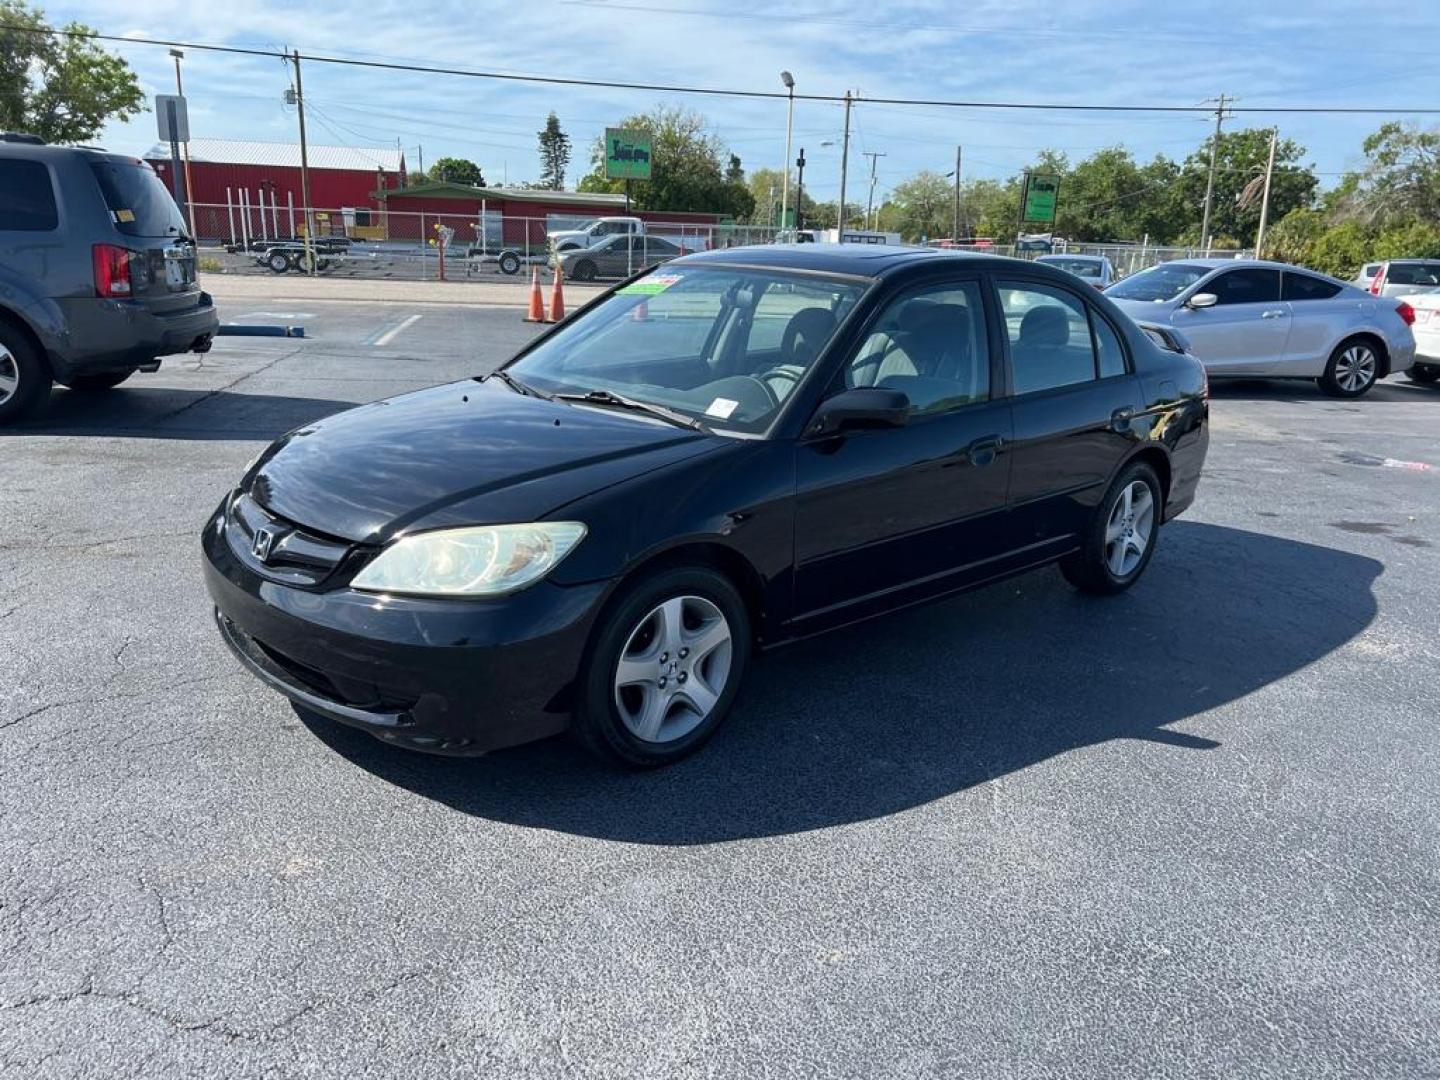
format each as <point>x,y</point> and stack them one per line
<point>1252,319</point>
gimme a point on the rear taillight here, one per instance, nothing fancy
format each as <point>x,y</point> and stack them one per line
<point>1377,283</point>
<point>1406,312</point>
<point>112,270</point>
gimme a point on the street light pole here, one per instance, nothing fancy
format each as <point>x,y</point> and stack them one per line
<point>1265,199</point>
<point>844,166</point>
<point>955,215</point>
<point>179,54</point>
<point>789,81</point>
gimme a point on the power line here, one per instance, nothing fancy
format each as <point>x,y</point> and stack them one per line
<point>555,80</point>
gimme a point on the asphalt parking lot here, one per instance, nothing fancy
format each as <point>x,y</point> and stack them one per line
<point>1189,831</point>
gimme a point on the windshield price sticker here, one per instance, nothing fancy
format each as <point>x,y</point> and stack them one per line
<point>650,286</point>
<point>721,408</point>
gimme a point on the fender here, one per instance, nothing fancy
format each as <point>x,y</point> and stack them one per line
<point>40,315</point>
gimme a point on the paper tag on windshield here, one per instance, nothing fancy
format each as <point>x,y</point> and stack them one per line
<point>721,408</point>
<point>650,286</point>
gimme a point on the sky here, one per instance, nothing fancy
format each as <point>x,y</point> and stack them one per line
<point>1111,52</point>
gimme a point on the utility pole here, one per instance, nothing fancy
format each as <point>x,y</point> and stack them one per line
<point>179,55</point>
<point>799,194</point>
<point>420,150</point>
<point>308,210</point>
<point>844,166</point>
<point>955,215</point>
<point>873,155</point>
<point>1265,199</point>
<point>1210,182</point>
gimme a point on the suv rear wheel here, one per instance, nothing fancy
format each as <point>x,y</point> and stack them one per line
<point>24,375</point>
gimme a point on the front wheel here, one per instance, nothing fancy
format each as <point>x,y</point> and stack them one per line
<point>1353,369</point>
<point>278,262</point>
<point>584,270</point>
<point>1122,536</point>
<point>509,263</point>
<point>24,375</point>
<point>665,668</point>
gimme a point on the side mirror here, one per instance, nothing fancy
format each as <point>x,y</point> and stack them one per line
<point>860,408</point>
<point>1202,300</point>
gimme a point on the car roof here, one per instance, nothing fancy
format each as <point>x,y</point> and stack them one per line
<point>856,260</point>
<point>1065,255</point>
<point>44,151</point>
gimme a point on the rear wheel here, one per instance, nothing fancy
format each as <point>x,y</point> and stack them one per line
<point>89,383</point>
<point>665,668</point>
<point>1353,369</point>
<point>509,263</point>
<point>584,271</point>
<point>278,262</point>
<point>1121,537</point>
<point>24,375</point>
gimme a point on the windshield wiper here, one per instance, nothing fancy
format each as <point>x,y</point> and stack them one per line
<point>515,384</point>
<point>606,397</point>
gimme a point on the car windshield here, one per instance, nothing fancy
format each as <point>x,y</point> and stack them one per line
<point>723,345</point>
<point>138,200</point>
<point>1159,283</point>
<point>1086,268</point>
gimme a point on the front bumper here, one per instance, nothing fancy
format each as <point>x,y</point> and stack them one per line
<point>443,676</point>
<point>119,335</point>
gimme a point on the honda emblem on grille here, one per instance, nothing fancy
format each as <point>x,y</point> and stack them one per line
<point>261,543</point>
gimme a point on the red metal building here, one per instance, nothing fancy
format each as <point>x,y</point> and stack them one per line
<point>340,176</point>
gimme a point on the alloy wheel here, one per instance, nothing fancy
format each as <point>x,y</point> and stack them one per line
<point>1355,368</point>
<point>9,374</point>
<point>1131,525</point>
<point>673,669</point>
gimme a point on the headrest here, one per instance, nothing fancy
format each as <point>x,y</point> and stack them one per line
<point>1048,325</point>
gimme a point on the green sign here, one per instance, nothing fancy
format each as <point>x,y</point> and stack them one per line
<point>627,154</point>
<point>1040,192</point>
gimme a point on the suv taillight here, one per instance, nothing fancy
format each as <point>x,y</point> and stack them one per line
<point>1377,283</point>
<point>112,270</point>
<point>1406,312</point>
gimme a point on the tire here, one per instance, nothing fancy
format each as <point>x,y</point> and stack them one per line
<point>1425,375</point>
<point>278,263</point>
<point>1108,563</point>
<point>24,375</point>
<point>509,263</point>
<point>644,700</point>
<point>1353,369</point>
<point>91,383</point>
<point>584,271</point>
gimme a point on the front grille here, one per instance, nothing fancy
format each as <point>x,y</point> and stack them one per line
<point>287,553</point>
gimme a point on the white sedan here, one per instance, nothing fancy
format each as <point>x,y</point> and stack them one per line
<point>1250,319</point>
<point>1426,368</point>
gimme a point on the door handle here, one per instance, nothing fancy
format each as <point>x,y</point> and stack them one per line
<point>1272,314</point>
<point>982,451</point>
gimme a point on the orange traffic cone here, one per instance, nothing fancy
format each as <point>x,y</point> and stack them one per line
<point>537,302</point>
<point>557,296</point>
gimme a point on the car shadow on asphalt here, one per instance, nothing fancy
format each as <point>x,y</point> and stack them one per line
<point>165,413</point>
<point>925,704</point>
<point>1389,391</point>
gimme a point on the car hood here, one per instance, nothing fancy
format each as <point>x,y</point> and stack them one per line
<point>465,453</point>
<point>1145,310</point>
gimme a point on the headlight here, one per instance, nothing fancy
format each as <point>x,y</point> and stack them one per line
<point>486,560</point>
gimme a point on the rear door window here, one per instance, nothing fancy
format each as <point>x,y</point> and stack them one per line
<point>1250,286</point>
<point>139,202</point>
<point>1305,287</point>
<point>27,198</point>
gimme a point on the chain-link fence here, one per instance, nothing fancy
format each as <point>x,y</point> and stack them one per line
<point>356,242</point>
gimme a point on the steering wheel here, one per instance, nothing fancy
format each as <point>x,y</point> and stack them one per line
<point>781,372</point>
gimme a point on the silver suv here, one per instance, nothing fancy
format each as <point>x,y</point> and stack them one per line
<point>97,272</point>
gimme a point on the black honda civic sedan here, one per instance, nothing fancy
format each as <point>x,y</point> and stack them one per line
<point>735,450</point>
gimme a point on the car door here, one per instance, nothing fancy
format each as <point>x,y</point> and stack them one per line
<point>886,515</point>
<point>1245,332</point>
<point>1073,394</point>
<point>1318,318</point>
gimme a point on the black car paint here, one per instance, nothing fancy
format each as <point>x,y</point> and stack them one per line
<point>818,531</point>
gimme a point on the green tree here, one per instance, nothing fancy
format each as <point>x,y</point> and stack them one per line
<point>1291,238</point>
<point>554,154</point>
<point>734,171</point>
<point>1241,159</point>
<point>688,167</point>
<point>1401,179</point>
<point>452,170</point>
<point>765,189</point>
<point>922,206</point>
<point>61,88</point>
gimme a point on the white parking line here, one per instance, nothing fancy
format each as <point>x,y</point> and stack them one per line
<point>389,335</point>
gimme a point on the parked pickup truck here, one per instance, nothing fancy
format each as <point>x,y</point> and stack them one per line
<point>593,232</point>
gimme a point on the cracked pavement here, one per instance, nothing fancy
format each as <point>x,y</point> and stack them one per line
<point>1185,832</point>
